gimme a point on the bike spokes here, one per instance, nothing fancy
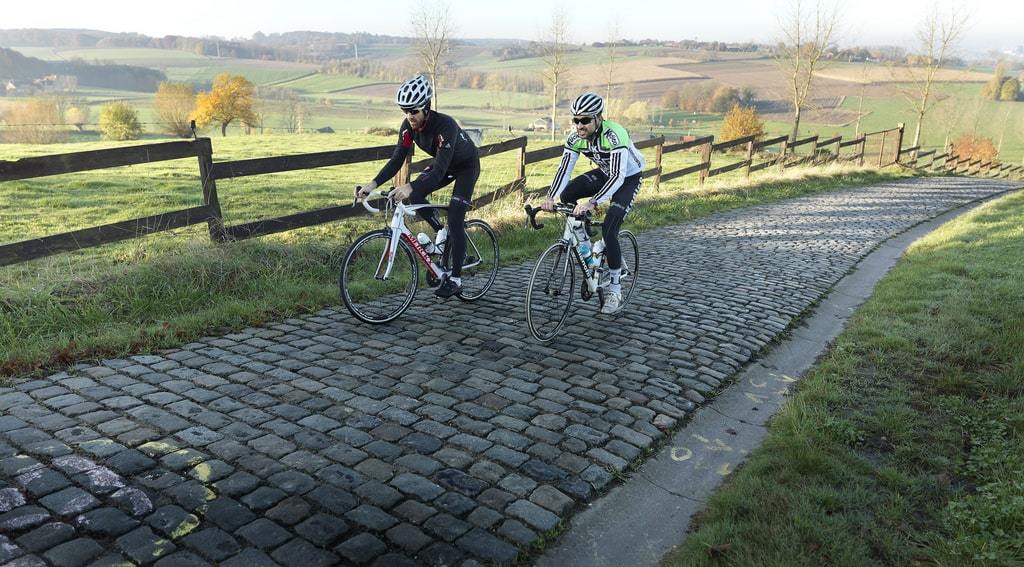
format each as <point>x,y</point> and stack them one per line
<point>549,296</point>
<point>377,286</point>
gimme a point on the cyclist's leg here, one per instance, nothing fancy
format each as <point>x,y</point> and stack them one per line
<point>462,199</point>
<point>419,197</point>
<point>622,201</point>
<point>586,185</point>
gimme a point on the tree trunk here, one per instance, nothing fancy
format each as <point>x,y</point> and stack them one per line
<point>554,105</point>
<point>917,129</point>
<point>796,125</point>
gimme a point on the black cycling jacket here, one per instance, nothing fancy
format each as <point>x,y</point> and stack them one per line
<point>440,137</point>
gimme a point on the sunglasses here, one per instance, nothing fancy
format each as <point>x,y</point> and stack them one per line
<point>584,120</point>
<point>412,111</point>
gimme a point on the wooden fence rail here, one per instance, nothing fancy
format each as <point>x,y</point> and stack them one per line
<point>210,172</point>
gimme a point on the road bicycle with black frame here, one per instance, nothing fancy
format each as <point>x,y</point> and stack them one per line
<point>552,285</point>
<point>380,276</point>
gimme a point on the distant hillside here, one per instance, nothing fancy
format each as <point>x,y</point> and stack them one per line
<point>297,46</point>
<point>16,67</point>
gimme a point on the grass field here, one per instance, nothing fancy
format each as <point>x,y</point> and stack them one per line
<point>323,83</point>
<point>877,73</point>
<point>145,57</point>
<point>905,445</point>
<point>963,111</point>
<point>172,287</point>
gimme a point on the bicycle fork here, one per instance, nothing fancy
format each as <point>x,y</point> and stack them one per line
<point>387,261</point>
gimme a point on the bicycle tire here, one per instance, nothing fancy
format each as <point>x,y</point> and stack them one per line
<point>366,300</point>
<point>482,244</point>
<point>555,266</point>
<point>631,261</point>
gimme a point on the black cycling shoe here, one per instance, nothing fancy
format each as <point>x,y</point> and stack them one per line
<point>448,289</point>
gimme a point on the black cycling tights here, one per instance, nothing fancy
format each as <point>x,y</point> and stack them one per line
<point>587,185</point>
<point>462,196</point>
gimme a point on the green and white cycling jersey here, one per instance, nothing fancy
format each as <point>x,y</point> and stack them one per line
<point>612,152</point>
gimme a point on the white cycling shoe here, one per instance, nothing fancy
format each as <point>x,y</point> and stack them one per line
<point>612,303</point>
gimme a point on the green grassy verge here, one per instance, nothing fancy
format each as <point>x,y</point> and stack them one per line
<point>171,288</point>
<point>905,446</point>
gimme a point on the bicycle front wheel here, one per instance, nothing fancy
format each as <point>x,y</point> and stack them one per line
<point>550,293</point>
<point>481,263</point>
<point>630,264</point>
<point>370,293</point>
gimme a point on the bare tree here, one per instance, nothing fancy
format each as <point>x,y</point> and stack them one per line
<point>294,116</point>
<point>432,26</point>
<point>556,62</point>
<point>807,36</point>
<point>611,57</point>
<point>938,35</point>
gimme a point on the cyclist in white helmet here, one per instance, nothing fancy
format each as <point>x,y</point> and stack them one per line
<point>455,159</point>
<point>616,180</point>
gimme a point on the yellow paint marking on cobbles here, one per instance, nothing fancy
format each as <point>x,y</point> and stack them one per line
<point>680,454</point>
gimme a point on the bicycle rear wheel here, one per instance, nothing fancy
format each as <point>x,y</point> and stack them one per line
<point>481,263</point>
<point>367,294</point>
<point>630,264</point>
<point>550,293</point>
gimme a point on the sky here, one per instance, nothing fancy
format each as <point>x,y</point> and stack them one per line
<point>995,24</point>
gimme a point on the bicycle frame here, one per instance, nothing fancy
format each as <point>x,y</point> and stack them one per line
<point>400,231</point>
<point>569,238</point>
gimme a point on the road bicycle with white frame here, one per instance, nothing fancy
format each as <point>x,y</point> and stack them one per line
<point>380,275</point>
<point>551,292</point>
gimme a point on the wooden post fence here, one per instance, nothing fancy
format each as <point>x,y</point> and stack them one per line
<point>210,172</point>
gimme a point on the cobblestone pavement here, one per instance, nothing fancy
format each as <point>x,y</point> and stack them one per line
<point>449,437</point>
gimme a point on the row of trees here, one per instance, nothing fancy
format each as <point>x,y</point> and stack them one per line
<point>707,98</point>
<point>1002,88</point>
<point>39,120</point>
<point>232,99</point>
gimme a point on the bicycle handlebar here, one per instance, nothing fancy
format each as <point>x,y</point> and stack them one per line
<point>366,200</point>
<point>563,208</point>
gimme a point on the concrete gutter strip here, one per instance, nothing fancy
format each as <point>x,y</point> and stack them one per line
<point>640,521</point>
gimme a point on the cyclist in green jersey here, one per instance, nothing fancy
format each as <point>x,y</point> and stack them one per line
<point>616,180</point>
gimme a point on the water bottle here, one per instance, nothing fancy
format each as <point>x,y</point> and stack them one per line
<point>425,242</point>
<point>442,239</point>
<point>584,245</point>
<point>598,249</point>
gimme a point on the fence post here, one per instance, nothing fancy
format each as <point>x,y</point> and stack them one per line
<point>216,220</point>
<point>521,172</point>
<point>402,177</point>
<point>863,146</point>
<point>750,158</point>
<point>814,151</point>
<point>839,144</point>
<point>899,141</point>
<point>782,155</point>
<point>658,151</point>
<point>705,158</point>
<point>881,148</point>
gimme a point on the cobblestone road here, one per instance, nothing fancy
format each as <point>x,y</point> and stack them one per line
<point>448,438</point>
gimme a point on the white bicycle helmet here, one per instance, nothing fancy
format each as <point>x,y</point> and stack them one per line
<point>414,93</point>
<point>588,104</point>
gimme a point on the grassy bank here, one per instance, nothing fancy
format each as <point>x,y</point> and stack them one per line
<point>168,289</point>
<point>906,444</point>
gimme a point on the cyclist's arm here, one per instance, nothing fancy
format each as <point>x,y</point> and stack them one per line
<point>447,135</point>
<point>616,176</point>
<point>569,157</point>
<point>402,149</point>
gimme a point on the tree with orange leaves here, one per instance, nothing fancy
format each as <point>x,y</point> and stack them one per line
<point>232,98</point>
